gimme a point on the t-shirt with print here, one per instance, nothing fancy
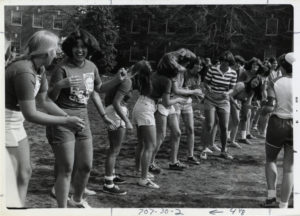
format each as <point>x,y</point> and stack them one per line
<point>23,82</point>
<point>160,85</point>
<point>76,97</point>
<point>125,88</point>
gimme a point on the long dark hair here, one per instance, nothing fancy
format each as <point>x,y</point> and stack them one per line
<point>257,90</point>
<point>143,77</point>
<point>249,64</point>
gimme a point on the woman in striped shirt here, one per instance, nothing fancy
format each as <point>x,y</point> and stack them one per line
<point>219,83</point>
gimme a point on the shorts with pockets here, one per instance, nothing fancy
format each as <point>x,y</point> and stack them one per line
<point>143,111</point>
<point>59,134</point>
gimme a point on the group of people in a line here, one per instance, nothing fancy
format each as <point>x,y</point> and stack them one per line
<point>234,94</point>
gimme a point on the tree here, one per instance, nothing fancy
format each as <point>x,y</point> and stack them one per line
<point>99,21</point>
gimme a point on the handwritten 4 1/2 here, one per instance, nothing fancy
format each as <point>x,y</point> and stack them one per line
<point>162,211</point>
<point>235,211</point>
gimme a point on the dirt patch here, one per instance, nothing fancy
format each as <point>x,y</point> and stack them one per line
<point>214,183</point>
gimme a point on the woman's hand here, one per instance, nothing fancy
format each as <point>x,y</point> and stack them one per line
<point>74,122</point>
<point>72,81</point>
<point>225,95</point>
<point>198,92</point>
<point>129,125</point>
<point>109,123</point>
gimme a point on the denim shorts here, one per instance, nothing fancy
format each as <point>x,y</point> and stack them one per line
<point>143,111</point>
<point>14,128</point>
<point>221,105</point>
<point>59,134</point>
<point>113,115</point>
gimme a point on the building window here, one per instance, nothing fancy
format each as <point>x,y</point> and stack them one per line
<point>170,27</point>
<point>271,26</point>
<point>269,52</point>
<point>137,53</point>
<point>37,20</point>
<point>16,18</point>
<point>135,26</point>
<point>16,42</point>
<point>291,25</point>
<point>152,26</point>
<point>152,54</point>
<point>57,22</point>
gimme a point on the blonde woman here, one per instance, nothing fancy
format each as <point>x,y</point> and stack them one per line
<point>25,83</point>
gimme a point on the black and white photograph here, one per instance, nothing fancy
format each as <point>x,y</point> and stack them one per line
<point>166,108</point>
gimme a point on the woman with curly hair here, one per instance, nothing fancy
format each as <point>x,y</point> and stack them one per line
<point>169,67</point>
<point>74,81</point>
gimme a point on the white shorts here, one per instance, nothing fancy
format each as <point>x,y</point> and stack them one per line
<point>113,115</point>
<point>165,111</point>
<point>143,112</point>
<point>14,128</point>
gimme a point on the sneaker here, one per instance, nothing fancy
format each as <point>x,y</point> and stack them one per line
<point>193,160</point>
<point>118,180</point>
<point>207,150</point>
<point>234,144</point>
<point>177,166</point>
<point>52,193</point>
<point>114,190</point>
<point>139,174</point>
<point>203,156</point>
<point>250,136</point>
<point>147,183</point>
<point>261,136</point>
<point>87,191</point>
<point>215,148</point>
<point>225,155</point>
<point>245,141</point>
<point>254,128</point>
<point>270,203</point>
<point>82,204</point>
<point>154,169</point>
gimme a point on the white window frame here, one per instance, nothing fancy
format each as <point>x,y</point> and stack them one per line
<point>131,26</point>
<point>17,40</point>
<point>149,27</point>
<point>168,32</point>
<point>53,22</point>
<point>147,55</point>
<point>266,33</point>
<point>130,54</point>
<point>34,24</point>
<point>12,15</point>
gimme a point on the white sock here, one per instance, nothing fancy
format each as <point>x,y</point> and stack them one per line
<point>110,178</point>
<point>271,193</point>
<point>243,133</point>
<point>228,134</point>
<point>283,204</point>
